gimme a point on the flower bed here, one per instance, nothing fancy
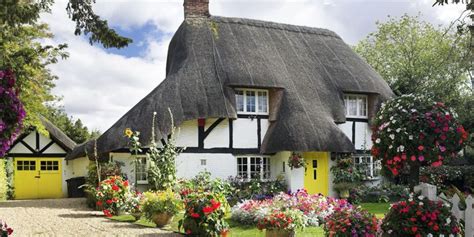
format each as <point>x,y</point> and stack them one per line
<point>349,221</point>
<point>314,207</point>
<point>4,229</point>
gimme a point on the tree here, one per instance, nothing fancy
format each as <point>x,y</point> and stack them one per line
<point>74,129</point>
<point>412,131</point>
<point>22,53</point>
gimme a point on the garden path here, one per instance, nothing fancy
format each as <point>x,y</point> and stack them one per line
<point>66,217</point>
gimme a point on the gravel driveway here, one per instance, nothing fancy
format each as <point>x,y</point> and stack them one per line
<point>66,217</point>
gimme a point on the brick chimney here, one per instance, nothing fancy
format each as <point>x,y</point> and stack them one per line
<point>196,9</point>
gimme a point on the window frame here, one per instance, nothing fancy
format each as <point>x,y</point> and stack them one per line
<point>256,91</point>
<point>147,166</point>
<point>357,97</point>
<point>374,166</point>
<point>262,172</point>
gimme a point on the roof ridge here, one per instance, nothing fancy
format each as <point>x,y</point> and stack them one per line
<point>275,25</point>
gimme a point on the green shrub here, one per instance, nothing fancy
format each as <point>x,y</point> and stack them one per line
<point>444,177</point>
<point>3,180</point>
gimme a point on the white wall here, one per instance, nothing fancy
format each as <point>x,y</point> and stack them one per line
<point>31,141</point>
<point>245,133</point>
<point>363,134</point>
<point>219,137</point>
<point>220,165</point>
<point>187,134</point>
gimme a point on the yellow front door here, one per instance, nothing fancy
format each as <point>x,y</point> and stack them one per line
<point>38,178</point>
<point>316,178</point>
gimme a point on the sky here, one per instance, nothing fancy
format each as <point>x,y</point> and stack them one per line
<point>100,85</point>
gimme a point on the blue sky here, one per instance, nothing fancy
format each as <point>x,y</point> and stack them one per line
<point>99,85</point>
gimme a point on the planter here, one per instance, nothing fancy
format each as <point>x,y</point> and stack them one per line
<point>161,219</point>
<point>280,233</point>
<point>136,215</point>
<point>344,194</point>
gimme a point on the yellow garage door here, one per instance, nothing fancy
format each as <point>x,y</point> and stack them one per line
<point>38,178</point>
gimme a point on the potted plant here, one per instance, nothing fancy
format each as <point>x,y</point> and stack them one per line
<point>132,202</point>
<point>111,195</point>
<point>296,161</point>
<point>279,223</point>
<point>205,214</point>
<point>161,206</point>
<point>4,229</point>
<point>345,176</point>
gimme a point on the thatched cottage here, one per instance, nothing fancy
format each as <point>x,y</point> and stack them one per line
<point>245,94</point>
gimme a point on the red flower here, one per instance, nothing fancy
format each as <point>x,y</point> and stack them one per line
<point>115,188</point>
<point>188,232</point>
<point>207,210</point>
<point>414,229</point>
<point>107,213</point>
<point>215,204</point>
<point>195,215</point>
<point>125,183</point>
<point>99,203</point>
<point>109,201</point>
<point>420,147</point>
<point>436,228</point>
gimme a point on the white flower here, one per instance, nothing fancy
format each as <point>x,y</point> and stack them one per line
<point>401,148</point>
<point>390,147</point>
<point>448,220</point>
<point>420,204</point>
<point>389,231</point>
<point>389,130</point>
<point>413,110</point>
<point>410,137</point>
<point>398,130</point>
<point>421,197</point>
<point>380,117</point>
<point>392,136</point>
<point>391,118</point>
<point>377,140</point>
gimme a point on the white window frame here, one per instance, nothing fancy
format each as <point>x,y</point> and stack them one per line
<point>262,171</point>
<point>372,168</point>
<point>245,90</point>
<point>147,165</point>
<point>357,97</point>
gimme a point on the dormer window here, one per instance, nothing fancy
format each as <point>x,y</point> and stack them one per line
<point>356,106</point>
<point>251,101</point>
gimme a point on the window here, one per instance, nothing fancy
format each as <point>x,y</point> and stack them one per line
<point>356,106</point>
<point>253,167</point>
<point>26,165</point>
<point>251,101</point>
<point>367,165</point>
<point>49,165</point>
<point>141,170</point>
<point>203,162</point>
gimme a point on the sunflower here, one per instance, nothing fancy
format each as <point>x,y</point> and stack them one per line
<point>128,132</point>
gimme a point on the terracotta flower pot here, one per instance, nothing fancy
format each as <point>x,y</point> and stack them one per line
<point>162,219</point>
<point>280,233</point>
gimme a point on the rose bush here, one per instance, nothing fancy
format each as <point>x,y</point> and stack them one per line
<point>112,195</point>
<point>412,131</point>
<point>351,221</point>
<point>420,217</point>
<point>204,214</point>
<point>12,112</point>
<point>5,231</point>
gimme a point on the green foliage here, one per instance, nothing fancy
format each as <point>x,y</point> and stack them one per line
<point>74,129</point>
<point>3,180</point>
<point>382,193</point>
<point>203,182</point>
<point>255,189</point>
<point>415,57</point>
<point>345,175</point>
<point>446,177</point>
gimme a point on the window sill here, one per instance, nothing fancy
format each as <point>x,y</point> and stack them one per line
<point>142,182</point>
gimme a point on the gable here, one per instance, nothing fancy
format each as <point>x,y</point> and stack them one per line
<point>36,144</point>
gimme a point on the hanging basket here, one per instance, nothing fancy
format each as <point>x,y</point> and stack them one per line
<point>280,233</point>
<point>162,219</point>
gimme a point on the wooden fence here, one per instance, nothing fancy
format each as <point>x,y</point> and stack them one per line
<point>467,214</point>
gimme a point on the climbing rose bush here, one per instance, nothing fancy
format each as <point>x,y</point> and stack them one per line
<point>420,217</point>
<point>12,112</point>
<point>414,130</point>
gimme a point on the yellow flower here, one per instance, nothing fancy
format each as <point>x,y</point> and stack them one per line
<point>128,132</point>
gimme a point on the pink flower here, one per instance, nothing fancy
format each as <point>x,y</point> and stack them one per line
<point>413,158</point>
<point>442,148</point>
<point>421,158</point>
<point>420,147</point>
<point>437,164</point>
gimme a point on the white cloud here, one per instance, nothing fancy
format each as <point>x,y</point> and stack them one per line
<point>99,87</point>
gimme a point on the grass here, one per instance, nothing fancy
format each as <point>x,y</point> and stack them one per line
<point>238,230</point>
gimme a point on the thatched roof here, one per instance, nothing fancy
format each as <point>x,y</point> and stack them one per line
<point>57,135</point>
<point>209,57</point>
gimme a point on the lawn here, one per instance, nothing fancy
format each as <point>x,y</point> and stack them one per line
<point>236,229</point>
